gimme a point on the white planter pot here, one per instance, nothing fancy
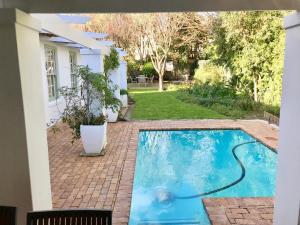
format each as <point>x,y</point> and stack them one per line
<point>124,100</point>
<point>112,117</point>
<point>93,138</point>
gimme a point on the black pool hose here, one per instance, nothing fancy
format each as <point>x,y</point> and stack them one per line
<point>229,185</point>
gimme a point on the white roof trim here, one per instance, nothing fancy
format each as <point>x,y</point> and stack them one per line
<point>59,39</point>
<point>53,24</point>
<point>73,45</point>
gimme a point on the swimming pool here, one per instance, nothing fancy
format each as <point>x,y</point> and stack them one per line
<point>176,169</point>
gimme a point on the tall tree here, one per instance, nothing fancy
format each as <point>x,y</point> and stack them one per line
<point>251,45</point>
<point>193,35</point>
<point>126,30</point>
<point>161,31</point>
<point>179,37</point>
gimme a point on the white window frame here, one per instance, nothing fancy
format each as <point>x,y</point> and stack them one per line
<point>51,73</point>
<point>73,67</point>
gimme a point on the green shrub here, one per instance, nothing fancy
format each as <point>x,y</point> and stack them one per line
<point>111,61</point>
<point>275,110</point>
<point>228,111</point>
<point>206,90</point>
<point>133,67</point>
<point>123,92</point>
<point>148,69</point>
<point>220,98</point>
<point>209,73</point>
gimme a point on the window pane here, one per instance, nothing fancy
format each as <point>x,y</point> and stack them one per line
<point>50,55</point>
<point>73,66</point>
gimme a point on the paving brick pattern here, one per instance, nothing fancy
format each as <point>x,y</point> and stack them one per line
<point>106,181</point>
<point>239,211</point>
<point>86,182</point>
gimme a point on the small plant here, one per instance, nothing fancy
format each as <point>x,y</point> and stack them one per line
<point>123,92</point>
<point>111,61</point>
<point>85,107</point>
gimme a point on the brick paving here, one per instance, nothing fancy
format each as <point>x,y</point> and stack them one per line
<point>106,181</point>
<point>239,211</point>
<point>86,182</point>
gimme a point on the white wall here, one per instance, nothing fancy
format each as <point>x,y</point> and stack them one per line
<point>123,72</point>
<point>93,59</point>
<point>54,108</point>
<point>115,78</point>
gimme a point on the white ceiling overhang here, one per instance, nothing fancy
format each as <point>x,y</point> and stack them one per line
<point>53,24</point>
<point>94,6</point>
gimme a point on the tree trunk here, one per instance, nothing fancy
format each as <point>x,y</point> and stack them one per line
<point>161,83</point>
<point>255,89</point>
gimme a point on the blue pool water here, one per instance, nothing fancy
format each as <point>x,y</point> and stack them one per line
<point>173,165</point>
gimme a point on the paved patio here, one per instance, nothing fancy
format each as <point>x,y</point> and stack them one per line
<point>240,211</point>
<point>106,182</point>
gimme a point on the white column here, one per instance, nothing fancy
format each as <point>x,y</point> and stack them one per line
<point>24,164</point>
<point>287,200</point>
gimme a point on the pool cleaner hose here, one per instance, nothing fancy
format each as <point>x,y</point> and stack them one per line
<point>168,196</point>
<point>228,185</point>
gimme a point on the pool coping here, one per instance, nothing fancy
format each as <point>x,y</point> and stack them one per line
<point>122,205</point>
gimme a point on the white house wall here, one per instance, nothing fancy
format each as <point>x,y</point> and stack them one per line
<point>115,78</point>
<point>54,108</point>
<point>123,71</point>
<point>92,59</point>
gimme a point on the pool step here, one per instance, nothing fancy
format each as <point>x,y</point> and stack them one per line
<point>169,222</point>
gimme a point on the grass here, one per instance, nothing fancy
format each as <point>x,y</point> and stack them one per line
<point>154,105</point>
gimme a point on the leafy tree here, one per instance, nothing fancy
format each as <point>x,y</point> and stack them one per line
<point>126,30</point>
<point>180,37</point>
<point>193,34</point>
<point>161,29</point>
<point>250,44</point>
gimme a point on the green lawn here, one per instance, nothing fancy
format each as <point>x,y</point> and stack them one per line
<point>154,105</point>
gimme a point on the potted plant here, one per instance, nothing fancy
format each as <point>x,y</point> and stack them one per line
<point>84,109</point>
<point>111,63</point>
<point>124,97</point>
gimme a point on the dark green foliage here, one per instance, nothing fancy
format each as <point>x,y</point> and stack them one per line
<point>224,100</point>
<point>148,69</point>
<point>133,67</point>
<point>80,106</point>
<point>123,92</point>
<point>250,45</point>
<point>220,98</point>
<point>111,61</point>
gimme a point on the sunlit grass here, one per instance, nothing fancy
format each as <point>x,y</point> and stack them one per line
<point>154,105</point>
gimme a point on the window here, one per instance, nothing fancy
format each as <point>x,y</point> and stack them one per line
<point>73,66</point>
<point>50,55</point>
